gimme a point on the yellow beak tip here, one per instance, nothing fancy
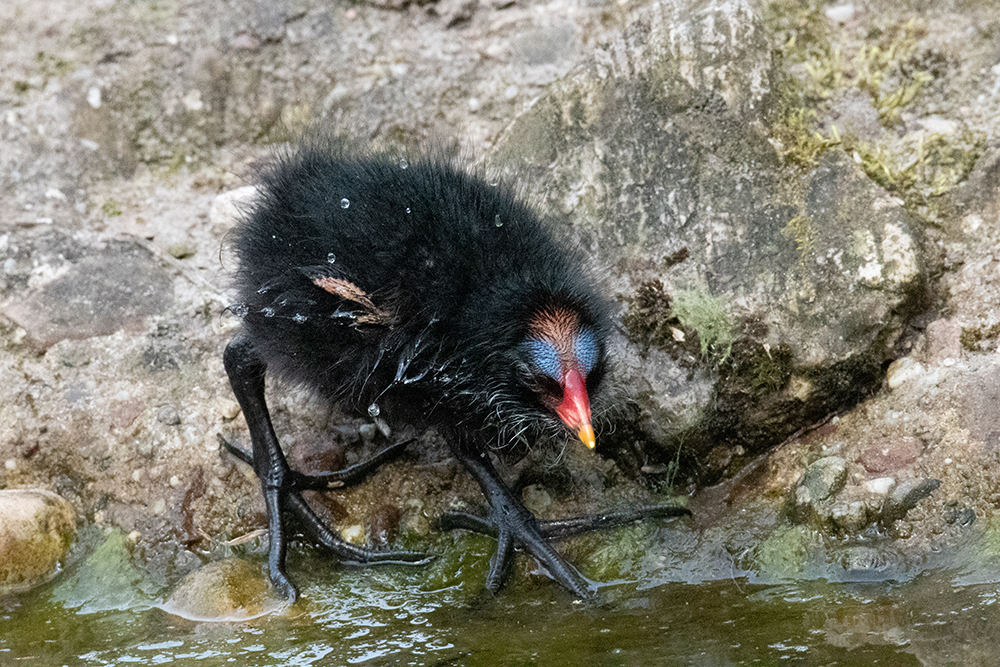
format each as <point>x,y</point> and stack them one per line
<point>586,435</point>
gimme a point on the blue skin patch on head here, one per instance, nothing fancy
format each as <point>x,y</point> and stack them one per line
<point>586,350</point>
<point>543,354</point>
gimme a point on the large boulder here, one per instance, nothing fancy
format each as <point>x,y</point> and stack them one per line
<point>756,295</point>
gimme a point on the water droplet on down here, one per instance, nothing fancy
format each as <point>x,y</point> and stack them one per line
<point>239,310</point>
<point>497,221</point>
<point>299,318</point>
<point>331,258</point>
<point>345,202</point>
<point>267,312</point>
<point>403,164</point>
<point>374,410</point>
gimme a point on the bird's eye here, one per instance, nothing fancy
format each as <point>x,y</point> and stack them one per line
<point>587,350</point>
<point>543,356</point>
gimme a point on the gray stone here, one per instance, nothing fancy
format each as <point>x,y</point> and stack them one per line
<point>37,528</point>
<point>849,517</point>
<point>103,291</point>
<point>821,480</point>
<point>795,284</point>
<point>905,497</point>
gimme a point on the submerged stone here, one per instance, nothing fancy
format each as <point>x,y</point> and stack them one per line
<point>226,590</point>
<point>787,553</point>
<point>107,580</point>
<point>36,530</point>
<point>868,563</point>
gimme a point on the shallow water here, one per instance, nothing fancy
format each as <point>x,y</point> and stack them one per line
<point>391,615</point>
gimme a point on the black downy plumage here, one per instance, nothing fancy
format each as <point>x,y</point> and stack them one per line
<point>425,295</point>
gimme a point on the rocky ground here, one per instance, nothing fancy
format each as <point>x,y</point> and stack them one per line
<point>128,129</point>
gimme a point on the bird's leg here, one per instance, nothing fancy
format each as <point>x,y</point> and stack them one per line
<point>281,485</point>
<point>511,523</point>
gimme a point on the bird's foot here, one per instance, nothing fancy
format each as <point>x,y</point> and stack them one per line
<point>513,525</point>
<point>517,524</point>
<point>283,496</point>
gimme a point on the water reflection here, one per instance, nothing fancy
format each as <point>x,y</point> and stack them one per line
<point>383,617</point>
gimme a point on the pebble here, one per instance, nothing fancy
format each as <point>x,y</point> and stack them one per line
<point>839,13</point>
<point>850,517</point>
<point>354,534</point>
<point>903,370</point>
<point>168,415</point>
<point>230,410</point>
<point>536,498</point>
<point>905,497</point>
<point>880,486</point>
<point>823,479</point>
<point>944,342</point>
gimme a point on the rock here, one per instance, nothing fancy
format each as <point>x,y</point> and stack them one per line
<point>37,528</point>
<point>965,516</point>
<point>905,497</point>
<point>107,580</point>
<point>865,563</point>
<point>850,517</point>
<point>168,415</point>
<point>787,552</point>
<point>383,525</point>
<point>226,590</point>
<point>943,342</point>
<point>821,480</point>
<point>796,289</point>
<point>839,13</point>
<point>415,522</point>
<point>318,454</point>
<point>103,291</point>
<point>980,396</point>
<point>903,370</point>
<point>880,485</point>
<point>182,250</point>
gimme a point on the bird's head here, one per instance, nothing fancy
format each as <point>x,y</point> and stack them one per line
<point>563,363</point>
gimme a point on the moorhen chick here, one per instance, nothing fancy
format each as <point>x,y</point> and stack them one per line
<point>426,295</point>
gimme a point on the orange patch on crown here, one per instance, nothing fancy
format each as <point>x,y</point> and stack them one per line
<point>558,326</point>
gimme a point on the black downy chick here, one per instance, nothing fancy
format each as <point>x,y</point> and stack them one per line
<point>428,296</point>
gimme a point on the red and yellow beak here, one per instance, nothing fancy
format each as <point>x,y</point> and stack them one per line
<point>574,411</point>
